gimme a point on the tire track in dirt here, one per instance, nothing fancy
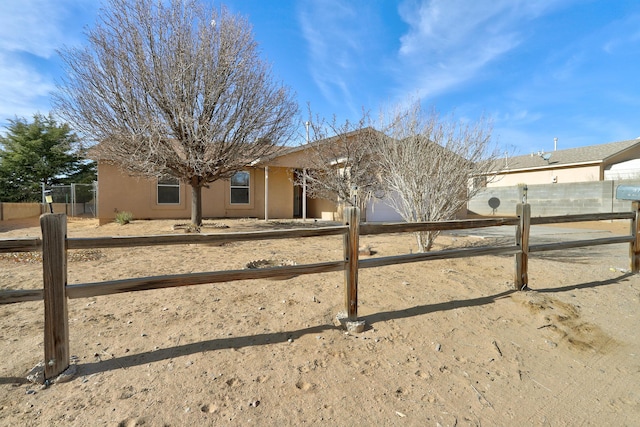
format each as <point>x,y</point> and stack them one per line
<point>595,359</point>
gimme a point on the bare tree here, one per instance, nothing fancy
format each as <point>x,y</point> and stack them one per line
<point>174,88</point>
<point>427,165</point>
<point>340,166</point>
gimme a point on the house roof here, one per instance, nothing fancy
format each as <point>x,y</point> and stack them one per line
<point>290,150</point>
<point>572,156</point>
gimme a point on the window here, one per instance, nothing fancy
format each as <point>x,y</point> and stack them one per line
<point>240,188</point>
<point>168,190</point>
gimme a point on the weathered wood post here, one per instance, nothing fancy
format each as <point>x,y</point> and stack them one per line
<point>54,268</point>
<point>634,245</point>
<point>351,245</point>
<point>523,211</point>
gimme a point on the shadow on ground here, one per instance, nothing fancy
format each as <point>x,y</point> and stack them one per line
<point>281,337</point>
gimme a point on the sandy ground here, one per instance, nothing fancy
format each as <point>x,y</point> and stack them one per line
<point>448,343</point>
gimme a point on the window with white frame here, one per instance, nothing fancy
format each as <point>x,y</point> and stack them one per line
<point>240,188</point>
<point>168,190</point>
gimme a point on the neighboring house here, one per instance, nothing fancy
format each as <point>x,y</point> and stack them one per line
<point>573,181</point>
<point>615,160</point>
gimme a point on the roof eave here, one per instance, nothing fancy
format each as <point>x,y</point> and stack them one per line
<point>539,168</point>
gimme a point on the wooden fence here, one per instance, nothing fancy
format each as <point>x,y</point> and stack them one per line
<point>54,245</point>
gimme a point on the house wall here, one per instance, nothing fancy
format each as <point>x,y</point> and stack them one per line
<point>120,192</point>
<point>547,176</point>
<point>553,199</point>
<point>316,208</point>
<point>322,209</point>
<point>280,192</point>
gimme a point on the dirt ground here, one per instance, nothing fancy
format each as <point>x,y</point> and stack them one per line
<point>447,343</point>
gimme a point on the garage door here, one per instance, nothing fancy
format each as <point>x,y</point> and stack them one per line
<point>379,211</point>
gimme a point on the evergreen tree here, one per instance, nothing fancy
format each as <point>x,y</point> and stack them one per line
<point>33,153</point>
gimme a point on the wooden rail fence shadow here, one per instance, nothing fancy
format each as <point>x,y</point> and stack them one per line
<point>54,245</point>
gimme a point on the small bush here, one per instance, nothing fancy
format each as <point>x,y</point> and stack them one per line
<point>123,218</point>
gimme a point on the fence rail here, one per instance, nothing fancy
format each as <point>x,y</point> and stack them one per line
<point>170,281</point>
<point>181,239</point>
<point>580,243</point>
<point>403,227</point>
<point>54,245</point>
<point>560,219</point>
<point>20,245</point>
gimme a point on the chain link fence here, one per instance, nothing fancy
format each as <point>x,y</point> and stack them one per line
<point>78,199</point>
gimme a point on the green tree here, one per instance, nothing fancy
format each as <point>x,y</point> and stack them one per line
<point>37,152</point>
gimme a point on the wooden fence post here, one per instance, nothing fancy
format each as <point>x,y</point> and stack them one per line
<point>634,245</point>
<point>54,268</point>
<point>351,217</point>
<point>523,211</point>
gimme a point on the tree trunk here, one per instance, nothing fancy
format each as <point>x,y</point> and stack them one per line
<point>196,203</point>
<point>420,240</point>
<point>425,240</point>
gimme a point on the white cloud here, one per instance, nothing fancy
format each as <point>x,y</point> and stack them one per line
<point>22,88</point>
<point>336,33</point>
<point>450,41</point>
<point>619,35</point>
<point>30,33</point>
<point>518,117</point>
<point>38,27</point>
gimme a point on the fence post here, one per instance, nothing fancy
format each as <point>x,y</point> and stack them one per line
<point>523,211</point>
<point>634,245</point>
<point>351,217</point>
<point>54,268</point>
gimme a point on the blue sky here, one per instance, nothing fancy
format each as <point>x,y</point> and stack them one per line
<point>540,68</point>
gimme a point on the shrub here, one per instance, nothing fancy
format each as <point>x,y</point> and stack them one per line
<point>124,217</point>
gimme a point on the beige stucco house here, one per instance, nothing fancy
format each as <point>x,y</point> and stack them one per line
<point>592,163</point>
<point>265,190</point>
<point>269,188</point>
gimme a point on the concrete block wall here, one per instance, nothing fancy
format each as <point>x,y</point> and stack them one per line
<point>496,201</point>
<point>552,199</point>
